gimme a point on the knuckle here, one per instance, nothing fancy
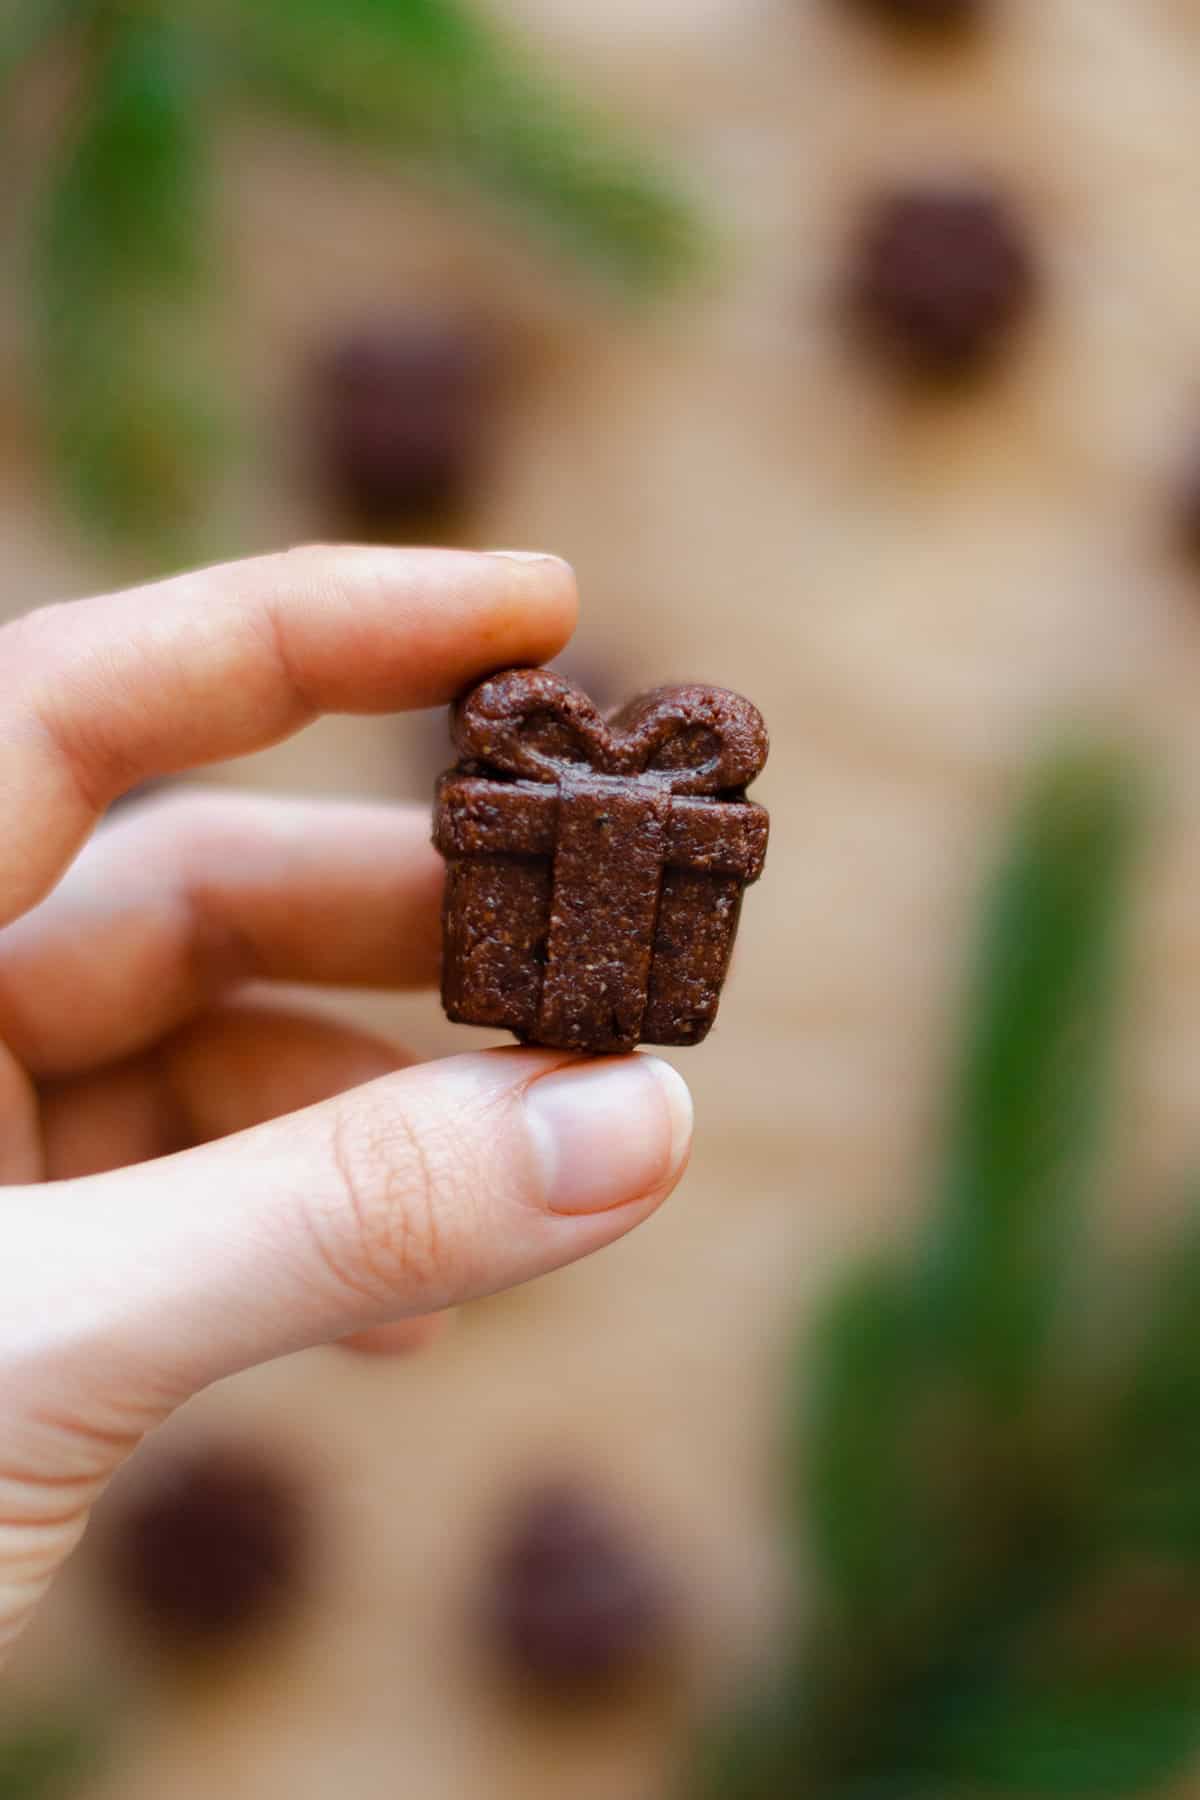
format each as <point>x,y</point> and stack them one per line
<point>399,1183</point>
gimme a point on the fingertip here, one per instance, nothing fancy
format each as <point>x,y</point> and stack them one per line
<point>542,606</point>
<point>412,627</point>
<point>681,1113</point>
<point>608,1132</point>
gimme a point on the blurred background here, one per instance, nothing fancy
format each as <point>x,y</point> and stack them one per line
<point>850,350</point>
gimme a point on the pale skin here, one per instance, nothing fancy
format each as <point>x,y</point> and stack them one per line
<point>200,1171</point>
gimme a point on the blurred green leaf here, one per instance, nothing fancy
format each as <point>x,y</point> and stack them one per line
<point>127,365</point>
<point>1148,1488</point>
<point>127,391</point>
<point>862,1476</point>
<point>942,1508</point>
<point>1035,1685</point>
<point>1088,1738</point>
<point>893,1376</point>
<point>427,76</point>
<point>1029,1108</point>
<point>44,1760</point>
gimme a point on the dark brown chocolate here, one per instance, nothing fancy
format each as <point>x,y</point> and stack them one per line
<point>941,278</point>
<point>596,869</point>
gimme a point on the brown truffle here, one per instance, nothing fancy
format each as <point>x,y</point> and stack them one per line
<point>575,1605</point>
<point>214,1545</point>
<point>401,414</point>
<point>941,278</point>
<point>596,869</point>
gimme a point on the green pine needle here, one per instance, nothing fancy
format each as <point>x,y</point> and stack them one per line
<point>897,1434</point>
<point>862,1488</point>
<point>954,1530</point>
<point>1151,1471</point>
<point>427,77</point>
<point>122,306</point>
<point>120,271</point>
<point>1085,1739</point>
<point>1030,1101</point>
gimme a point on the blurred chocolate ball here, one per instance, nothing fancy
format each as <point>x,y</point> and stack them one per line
<point>923,15</point>
<point>576,1605</point>
<point>941,278</point>
<point>213,1545</point>
<point>402,415</point>
<point>1187,505</point>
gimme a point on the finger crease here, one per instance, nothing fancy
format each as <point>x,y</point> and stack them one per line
<point>419,1250</point>
<point>71,759</point>
<point>347,1169</point>
<point>285,659</point>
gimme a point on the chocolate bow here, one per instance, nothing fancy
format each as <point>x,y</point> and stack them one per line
<point>534,724</point>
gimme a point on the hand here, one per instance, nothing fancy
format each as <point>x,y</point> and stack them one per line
<point>170,1216</point>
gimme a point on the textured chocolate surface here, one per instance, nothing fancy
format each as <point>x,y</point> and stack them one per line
<point>941,278</point>
<point>596,868</point>
<point>575,1604</point>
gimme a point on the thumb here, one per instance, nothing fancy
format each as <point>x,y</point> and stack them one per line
<point>413,1193</point>
<point>122,1294</point>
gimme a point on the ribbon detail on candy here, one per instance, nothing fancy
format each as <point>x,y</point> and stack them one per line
<point>616,854</point>
<point>535,725</point>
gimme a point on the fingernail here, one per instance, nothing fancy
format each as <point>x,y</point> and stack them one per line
<point>525,556</point>
<point>609,1132</point>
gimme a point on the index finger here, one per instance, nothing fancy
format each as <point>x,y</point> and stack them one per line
<point>101,694</point>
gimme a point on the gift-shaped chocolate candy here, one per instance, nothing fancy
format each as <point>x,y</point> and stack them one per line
<point>596,868</point>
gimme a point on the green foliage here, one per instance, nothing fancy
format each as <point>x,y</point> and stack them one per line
<point>1004,1539</point>
<point>120,264</point>
<point>122,300</point>
<point>1151,1476</point>
<point>868,1400</point>
<point>1029,1103</point>
<point>46,1759</point>
<point>1122,1735</point>
<point>428,77</point>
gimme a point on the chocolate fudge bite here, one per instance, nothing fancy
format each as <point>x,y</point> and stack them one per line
<point>574,1605</point>
<point>213,1546</point>
<point>401,415</point>
<point>941,278</point>
<point>596,868</point>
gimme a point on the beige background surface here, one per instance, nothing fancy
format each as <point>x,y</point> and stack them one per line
<point>915,595</point>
